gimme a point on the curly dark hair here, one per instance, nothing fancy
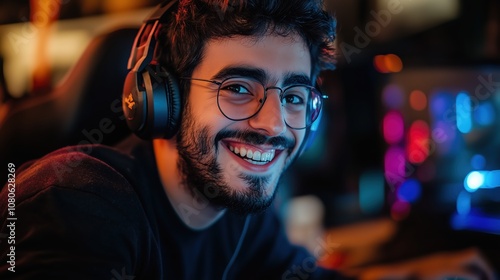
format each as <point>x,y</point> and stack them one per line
<point>182,38</point>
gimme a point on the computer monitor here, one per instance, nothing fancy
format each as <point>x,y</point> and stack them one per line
<point>442,130</point>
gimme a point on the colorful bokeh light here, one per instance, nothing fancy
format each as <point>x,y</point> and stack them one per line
<point>482,179</point>
<point>392,96</point>
<point>474,180</point>
<point>463,203</point>
<point>463,112</point>
<point>394,166</point>
<point>440,103</point>
<point>478,161</point>
<point>400,210</point>
<point>393,63</point>
<point>418,100</point>
<point>417,148</point>
<point>371,191</point>
<point>484,114</point>
<point>393,127</point>
<point>410,191</point>
<point>389,63</point>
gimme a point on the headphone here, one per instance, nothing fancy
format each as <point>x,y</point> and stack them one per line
<point>151,98</point>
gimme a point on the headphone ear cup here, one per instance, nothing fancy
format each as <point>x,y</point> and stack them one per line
<point>153,112</point>
<point>163,103</point>
<point>174,103</point>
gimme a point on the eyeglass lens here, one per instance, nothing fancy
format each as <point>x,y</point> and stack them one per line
<point>242,98</point>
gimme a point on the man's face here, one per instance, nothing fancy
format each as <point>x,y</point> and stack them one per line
<point>214,150</point>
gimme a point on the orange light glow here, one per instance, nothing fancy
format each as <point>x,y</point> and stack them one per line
<point>379,63</point>
<point>393,63</point>
<point>43,14</point>
<point>389,63</point>
<point>418,100</point>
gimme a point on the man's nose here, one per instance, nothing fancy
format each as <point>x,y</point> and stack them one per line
<point>270,118</point>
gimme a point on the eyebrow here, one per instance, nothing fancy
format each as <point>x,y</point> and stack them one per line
<point>240,71</point>
<point>260,75</point>
<point>296,79</point>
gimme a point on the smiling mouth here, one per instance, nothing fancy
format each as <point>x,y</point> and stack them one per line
<point>253,156</point>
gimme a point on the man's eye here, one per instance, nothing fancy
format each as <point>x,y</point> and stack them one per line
<point>236,89</point>
<point>292,99</point>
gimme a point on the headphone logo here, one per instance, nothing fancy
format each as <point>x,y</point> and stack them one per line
<point>130,101</point>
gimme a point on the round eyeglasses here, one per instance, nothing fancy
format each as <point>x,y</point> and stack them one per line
<point>241,98</point>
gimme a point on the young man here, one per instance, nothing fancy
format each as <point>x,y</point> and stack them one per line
<point>191,205</point>
<point>194,203</point>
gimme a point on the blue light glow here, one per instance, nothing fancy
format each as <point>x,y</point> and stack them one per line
<point>474,180</point>
<point>476,222</point>
<point>478,161</point>
<point>371,191</point>
<point>410,190</point>
<point>492,179</point>
<point>482,179</point>
<point>464,112</point>
<point>439,104</point>
<point>463,203</point>
<point>485,114</point>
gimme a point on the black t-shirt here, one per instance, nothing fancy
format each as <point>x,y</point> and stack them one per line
<point>96,212</point>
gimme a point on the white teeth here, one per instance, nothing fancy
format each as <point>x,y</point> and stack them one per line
<point>265,157</point>
<point>255,156</point>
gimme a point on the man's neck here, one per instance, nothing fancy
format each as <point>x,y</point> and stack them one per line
<point>192,208</point>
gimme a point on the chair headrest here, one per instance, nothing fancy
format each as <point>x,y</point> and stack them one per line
<point>84,108</point>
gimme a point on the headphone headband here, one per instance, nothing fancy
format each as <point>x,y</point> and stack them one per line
<point>160,13</point>
<point>143,50</point>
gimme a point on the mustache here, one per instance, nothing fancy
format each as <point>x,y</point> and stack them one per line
<point>256,138</point>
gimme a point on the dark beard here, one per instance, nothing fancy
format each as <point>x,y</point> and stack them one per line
<point>202,175</point>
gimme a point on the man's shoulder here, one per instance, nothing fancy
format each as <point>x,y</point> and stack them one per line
<point>94,169</point>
